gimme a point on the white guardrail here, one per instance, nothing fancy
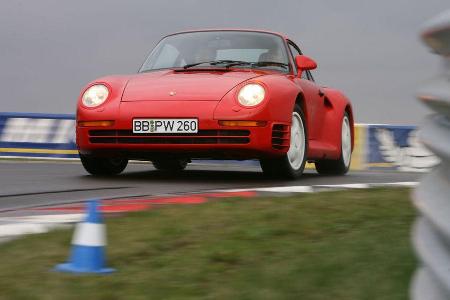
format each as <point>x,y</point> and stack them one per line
<point>52,136</point>
<point>431,236</point>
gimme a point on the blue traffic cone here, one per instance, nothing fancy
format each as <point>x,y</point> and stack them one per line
<point>88,245</point>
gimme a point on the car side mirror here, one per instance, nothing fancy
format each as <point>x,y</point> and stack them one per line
<point>305,63</point>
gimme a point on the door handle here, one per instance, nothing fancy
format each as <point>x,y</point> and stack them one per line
<point>321,93</point>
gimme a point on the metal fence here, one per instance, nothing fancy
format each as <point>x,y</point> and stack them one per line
<point>431,234</point>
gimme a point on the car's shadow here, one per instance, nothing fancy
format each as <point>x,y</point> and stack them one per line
<point>196,176</point>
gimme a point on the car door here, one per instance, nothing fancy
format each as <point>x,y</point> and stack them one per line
<point>314,97</point>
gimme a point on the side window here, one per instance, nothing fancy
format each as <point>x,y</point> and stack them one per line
<point>294,53</point>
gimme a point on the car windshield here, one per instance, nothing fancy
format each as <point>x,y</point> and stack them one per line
<point>239,49</point>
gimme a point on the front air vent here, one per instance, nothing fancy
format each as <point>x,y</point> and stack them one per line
<point>280,137</point>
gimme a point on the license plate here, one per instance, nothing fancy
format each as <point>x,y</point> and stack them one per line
<point>165,125</point>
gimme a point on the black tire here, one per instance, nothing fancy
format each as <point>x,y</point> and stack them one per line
<point>282,167</point>
<point>103,165</point>
<point>172,165</point>
<point>339,166</point>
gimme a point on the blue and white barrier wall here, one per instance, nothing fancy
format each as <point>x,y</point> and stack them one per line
<point>37,135</point>
<point>396,148</point>
<point>377,147</point>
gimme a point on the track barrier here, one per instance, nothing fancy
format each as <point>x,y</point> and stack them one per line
<point>88,245</point>
<point>52,136</point>
<point>32,135</point>
<point>431,235</point>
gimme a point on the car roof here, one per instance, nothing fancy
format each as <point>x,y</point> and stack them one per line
<point>231,29</point>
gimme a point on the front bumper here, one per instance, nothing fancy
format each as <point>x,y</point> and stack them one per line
<point>212,141</point>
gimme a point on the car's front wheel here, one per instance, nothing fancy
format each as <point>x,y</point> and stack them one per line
<point>103,165</point>
<point>342,164</point>
<point>172,165</point>
<point>292,164</point>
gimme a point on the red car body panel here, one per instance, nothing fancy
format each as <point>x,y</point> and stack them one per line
<point>210,95</point>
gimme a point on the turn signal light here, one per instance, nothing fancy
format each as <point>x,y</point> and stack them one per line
<point>95,123</point>
<point>243,123</point>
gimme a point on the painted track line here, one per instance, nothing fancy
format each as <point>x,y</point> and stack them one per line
<point>323,187</point>
<point>16,226</point>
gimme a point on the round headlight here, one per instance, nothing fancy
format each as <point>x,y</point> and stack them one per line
<point>251,94</point>
<point>95,95</point>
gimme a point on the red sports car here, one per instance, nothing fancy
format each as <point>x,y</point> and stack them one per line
<point>217,94</point>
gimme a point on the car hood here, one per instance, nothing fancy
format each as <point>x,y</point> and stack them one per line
<point>204,85</point>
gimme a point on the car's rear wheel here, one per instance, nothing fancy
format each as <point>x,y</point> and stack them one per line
<point>173,165</point>
<point>103,165</point>
<point>292,164</point>
<point>341,165</point>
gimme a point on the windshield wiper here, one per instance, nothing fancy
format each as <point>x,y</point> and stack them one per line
<point>215,62</point>
<point>231,63</point>
<point>258,64</point>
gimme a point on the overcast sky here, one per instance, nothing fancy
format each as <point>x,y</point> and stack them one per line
<point>369,49</point>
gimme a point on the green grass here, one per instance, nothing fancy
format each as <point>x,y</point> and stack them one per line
<point>331,245</point>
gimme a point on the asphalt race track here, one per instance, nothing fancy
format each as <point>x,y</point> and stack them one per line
<point>27,184</point>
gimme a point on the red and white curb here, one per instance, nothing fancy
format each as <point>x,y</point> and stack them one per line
<point>45,218</point>
<point>42,219</point>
